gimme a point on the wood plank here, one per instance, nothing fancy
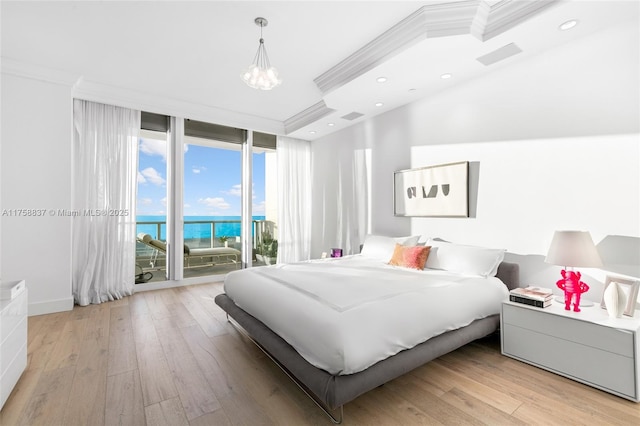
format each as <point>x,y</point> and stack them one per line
<point>195,393</point>
<point>205,317</point>
<point>48,402</point>
<point>417,392</point>
<point>124,405</point>
<point>227,387</point>
<point>67,348</point>
<point>43,341</point>
<point>218,418</point>
<point>98,322</point>
<point>156,304</point>
<point>476,407</point>
<point>89,383</point>
<point>122,348</point>
<point>17,402</point>
<point>397,410</point>
<point>155,376</point>
<point>488,394</point>
<point>538,389</point>
<point>181,317</point>
<point>166,413</point>
<point>259,383</point>
<point>138,305</point>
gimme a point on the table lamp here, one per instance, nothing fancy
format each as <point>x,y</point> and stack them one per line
<point>573,249</point>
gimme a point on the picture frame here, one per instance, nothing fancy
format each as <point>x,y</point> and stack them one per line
<point>432,191</point>
<point>630,288</point>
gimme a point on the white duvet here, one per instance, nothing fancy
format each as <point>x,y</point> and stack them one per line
<point>344,315</point>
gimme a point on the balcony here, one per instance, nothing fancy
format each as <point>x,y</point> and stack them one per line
<point>199,236</point>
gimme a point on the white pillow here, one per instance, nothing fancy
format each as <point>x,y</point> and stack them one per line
<point>462,259</point>
<point>381,248</point>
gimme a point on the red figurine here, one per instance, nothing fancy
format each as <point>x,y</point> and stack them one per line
<point>573,288</point>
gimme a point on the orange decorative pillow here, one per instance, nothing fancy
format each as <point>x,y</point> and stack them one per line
<point>410,256</point>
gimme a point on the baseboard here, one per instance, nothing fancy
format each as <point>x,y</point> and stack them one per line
<point>51,306</point>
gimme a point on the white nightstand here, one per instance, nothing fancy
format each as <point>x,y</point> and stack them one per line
<point>13,342</point>
<point>585,346</point>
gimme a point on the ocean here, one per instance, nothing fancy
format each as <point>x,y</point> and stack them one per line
<point>228,226</point>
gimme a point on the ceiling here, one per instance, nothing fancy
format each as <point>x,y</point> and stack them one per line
<point>329,53</point>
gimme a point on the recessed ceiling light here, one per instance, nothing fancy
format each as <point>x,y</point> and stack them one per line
<point>330,124</point>
<point>379,104</point>
<point>445,76</point>
<point>313,132</point>
<point>568,25</point>
<point>381,79</point>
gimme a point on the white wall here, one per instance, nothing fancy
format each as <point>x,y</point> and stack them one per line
<point>36,174</point>
<point>555,140</point>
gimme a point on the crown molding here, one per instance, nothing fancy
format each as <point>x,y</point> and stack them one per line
<point>128,98</point>
<point>504,15</point>
<point>98,92</point>
<point>475,17</point>
<point>35,72</point>
<point>429,21</point>
<point>303,118</point>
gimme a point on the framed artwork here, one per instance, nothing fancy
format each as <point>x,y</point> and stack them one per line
<point>630,289</point>
<point>436,191</point>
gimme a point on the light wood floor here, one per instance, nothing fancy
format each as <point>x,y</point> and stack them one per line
<point>169,357</point>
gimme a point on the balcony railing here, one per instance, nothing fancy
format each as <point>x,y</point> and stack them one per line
<point>206,234</point>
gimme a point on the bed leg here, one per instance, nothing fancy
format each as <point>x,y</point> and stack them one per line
<point>336,420</point>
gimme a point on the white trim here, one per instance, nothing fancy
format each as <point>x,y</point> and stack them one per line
<point>175,198</point>
<point>36,72</point>
<point>246,213</point>
<point>118,96</point>
<point>159,285</point>
<point>507,14</point>
<point>310,115</point>
<point>51,306</point>
<point>475,17</point>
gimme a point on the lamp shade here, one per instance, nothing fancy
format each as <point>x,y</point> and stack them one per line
<point>573,248</point>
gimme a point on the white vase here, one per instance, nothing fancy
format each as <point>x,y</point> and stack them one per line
<point>615,300</point>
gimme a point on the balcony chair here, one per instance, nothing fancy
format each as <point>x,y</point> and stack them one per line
<point>218,255</point>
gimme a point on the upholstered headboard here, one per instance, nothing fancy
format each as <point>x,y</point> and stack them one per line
<point>509,273</point>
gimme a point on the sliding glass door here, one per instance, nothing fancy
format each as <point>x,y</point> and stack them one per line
<point>151,215</point>
<point>206,200</point>
<point>212,210</point>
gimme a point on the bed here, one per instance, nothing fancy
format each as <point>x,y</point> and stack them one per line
<point>371,321</point>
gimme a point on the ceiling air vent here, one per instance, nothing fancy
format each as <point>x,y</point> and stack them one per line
<point>499,54</point>
<point>352,116</point>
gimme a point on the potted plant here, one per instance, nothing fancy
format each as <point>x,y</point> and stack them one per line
<point>224,240</point>
<point>267,250</point>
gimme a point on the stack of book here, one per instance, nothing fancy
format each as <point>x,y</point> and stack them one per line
<point>539,297</point>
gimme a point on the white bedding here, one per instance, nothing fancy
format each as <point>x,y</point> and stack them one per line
<point>344,315</point>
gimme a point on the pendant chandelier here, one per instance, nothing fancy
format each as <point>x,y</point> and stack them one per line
<point>260,74</point>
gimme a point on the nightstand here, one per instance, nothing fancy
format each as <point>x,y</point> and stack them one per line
<point>585,346</point>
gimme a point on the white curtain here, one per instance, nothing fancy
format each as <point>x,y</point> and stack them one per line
<point>294,199</point>
<point>104,195</point>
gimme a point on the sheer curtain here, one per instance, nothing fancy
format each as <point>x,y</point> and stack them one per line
<point>104,195</point>
<point>294,199</point>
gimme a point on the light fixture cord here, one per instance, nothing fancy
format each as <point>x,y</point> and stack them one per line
<point>262,58</point>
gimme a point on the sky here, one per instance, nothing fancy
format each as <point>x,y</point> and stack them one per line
<point>212,179</point>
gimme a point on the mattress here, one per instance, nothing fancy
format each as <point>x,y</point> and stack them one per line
<point>344,315</point>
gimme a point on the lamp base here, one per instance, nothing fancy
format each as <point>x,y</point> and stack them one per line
<point>583,302</point>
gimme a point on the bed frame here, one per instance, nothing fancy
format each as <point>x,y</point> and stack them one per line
<point>330,392</point>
